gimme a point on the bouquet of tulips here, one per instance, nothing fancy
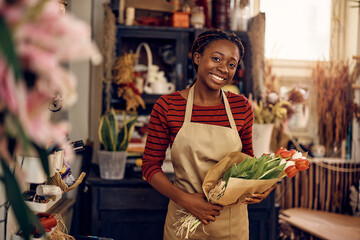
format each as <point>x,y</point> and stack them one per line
<point>238,175</point>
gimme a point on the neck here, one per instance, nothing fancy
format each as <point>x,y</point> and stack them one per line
<point>206,97</point>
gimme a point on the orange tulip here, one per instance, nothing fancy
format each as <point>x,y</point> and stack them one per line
<point>281,149</point>
<point>302,167</point>
<point>302,164</point>
<point>302,161</point>
<point>292,151</point>
<point>291,171</point>
<point>285,154</point>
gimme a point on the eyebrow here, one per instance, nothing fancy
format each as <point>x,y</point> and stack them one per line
<point>224,55</point>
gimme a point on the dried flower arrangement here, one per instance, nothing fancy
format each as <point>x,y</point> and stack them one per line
<point>335,104</point>
<point>276,109</point>
<point>123,76</point>
<point>118,70</point>
<point>272,108</point>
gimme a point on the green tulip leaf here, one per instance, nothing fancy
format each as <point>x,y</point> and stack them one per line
<point>7,48</point>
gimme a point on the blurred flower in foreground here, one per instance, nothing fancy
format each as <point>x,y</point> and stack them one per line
<point>36,40</point>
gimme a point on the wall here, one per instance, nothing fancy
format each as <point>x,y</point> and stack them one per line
<point>96,72</point>
<point>355,31</point>
<point>79,113</point>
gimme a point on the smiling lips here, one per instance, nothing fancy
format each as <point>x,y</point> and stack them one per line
<point>217,78</point>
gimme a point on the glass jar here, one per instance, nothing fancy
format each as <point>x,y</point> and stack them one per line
<point>197,19</point>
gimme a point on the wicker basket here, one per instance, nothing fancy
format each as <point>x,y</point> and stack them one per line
<point>57,181</point>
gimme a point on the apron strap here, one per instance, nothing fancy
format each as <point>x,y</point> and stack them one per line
<point>228,111</point>
<point>190,103</point>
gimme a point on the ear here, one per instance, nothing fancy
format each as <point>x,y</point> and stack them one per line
<point>197,58</point>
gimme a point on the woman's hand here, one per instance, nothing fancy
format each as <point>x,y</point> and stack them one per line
<point>198,206</point>
<point>195,203</point>
<point>258,197</point>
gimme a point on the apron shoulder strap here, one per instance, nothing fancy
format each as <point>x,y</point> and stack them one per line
<point>189,105</point>
<point>228,111</point>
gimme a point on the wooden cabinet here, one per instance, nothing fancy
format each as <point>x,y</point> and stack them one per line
<point>131,209</point>
<point>126,209</point>
<point>263,219</point>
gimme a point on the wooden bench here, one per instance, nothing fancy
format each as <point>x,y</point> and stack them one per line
<point>322,224</point>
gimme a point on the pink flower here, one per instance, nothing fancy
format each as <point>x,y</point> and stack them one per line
<point>37,59</point>
<point>7,86</point>
<point>43,41</point>
<point>12,14</point>
<point>51,75</point>
<point>62,34</point>
<point>33,113</point>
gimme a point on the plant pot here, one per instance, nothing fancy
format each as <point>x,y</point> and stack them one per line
<point>261,138</point>
<point>112,164</point>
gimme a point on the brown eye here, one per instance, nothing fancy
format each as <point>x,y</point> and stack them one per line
<point>232,65</point>
<point>216,59</point>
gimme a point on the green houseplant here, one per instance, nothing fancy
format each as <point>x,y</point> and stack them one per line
<point>112,159</point>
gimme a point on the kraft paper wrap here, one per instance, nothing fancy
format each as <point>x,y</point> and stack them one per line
<point>237,188</point>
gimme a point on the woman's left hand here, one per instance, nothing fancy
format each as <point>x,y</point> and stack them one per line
<point>258,197</point>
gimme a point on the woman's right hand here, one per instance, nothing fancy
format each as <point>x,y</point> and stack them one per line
<point>194,203</point>
<point>198,206</point>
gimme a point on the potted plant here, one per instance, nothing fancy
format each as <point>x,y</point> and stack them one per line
<point>112,158</point>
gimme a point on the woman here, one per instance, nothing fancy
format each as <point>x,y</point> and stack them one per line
<point>202,124</point>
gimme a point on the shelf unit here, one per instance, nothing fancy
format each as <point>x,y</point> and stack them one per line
<point>181,71</point>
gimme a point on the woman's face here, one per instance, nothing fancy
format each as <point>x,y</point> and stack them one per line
<point>217,65</point>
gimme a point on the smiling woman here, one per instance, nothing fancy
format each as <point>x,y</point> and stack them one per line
<point>202,124</point>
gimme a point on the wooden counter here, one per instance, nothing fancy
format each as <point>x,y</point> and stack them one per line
<point>324,225</point>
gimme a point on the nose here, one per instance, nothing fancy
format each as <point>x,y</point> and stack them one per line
<point>223,68</point>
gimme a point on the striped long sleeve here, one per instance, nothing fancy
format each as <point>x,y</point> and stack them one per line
<point>167,118</point>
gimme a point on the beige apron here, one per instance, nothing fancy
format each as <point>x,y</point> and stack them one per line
<point>196,148</point>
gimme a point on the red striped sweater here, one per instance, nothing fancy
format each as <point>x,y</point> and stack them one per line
<point>167,118</point>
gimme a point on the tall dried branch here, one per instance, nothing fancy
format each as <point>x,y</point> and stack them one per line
<point>334,102</point>
<point>109,40</point>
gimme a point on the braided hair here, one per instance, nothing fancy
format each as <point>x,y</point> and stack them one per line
<point>212,35</point>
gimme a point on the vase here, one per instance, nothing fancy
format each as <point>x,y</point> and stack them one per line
<point>112,164</point>
<point>261,138</point>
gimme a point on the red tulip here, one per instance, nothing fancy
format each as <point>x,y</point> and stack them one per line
<point>291,171</point>
<point>281,149</point>
<point>302,164</point>
<point>301,161</point>
<point>302,167</point>
<point>292,151</point>
<point>285,154</point>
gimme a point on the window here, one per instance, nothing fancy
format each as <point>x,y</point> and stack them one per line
<point>297,30</point>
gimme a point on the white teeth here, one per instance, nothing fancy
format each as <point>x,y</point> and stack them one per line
<point>217,77</point>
